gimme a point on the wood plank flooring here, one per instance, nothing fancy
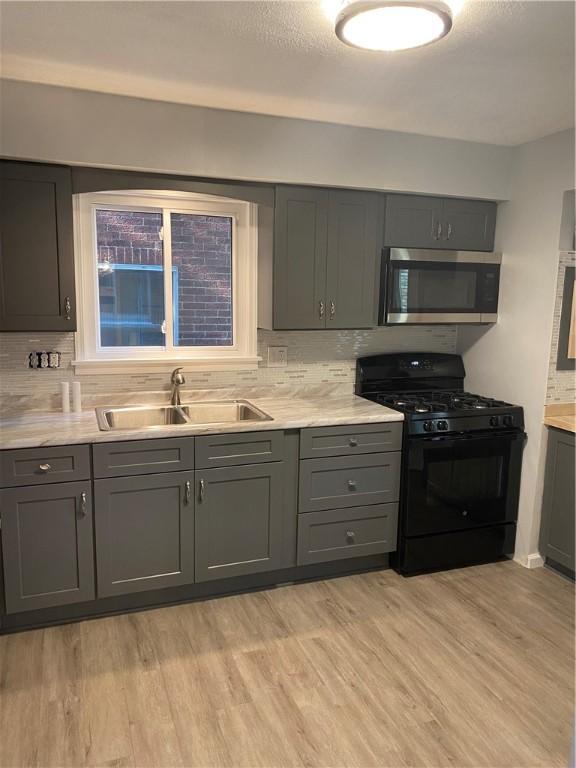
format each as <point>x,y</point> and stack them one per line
<point>467,668</point>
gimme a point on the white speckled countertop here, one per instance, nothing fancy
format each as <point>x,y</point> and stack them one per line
<point>35,429</point>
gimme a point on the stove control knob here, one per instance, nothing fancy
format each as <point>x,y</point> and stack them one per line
<point>494,421</point>
<point>508,420</point>
<point>428,426</point>
<point>442,425</point>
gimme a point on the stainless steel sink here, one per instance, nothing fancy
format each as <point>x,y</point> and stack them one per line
<point>158,416</point>
<point>223,411</point>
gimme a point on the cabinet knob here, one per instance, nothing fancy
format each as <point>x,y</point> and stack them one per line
<point>353,442</point>
<point>351,485</point>
<point>187,492</point>
<point>45,467</point>
<point>202,490</point>
<point>68,308</point>
<point>350,537</point>
<point>83,504</point>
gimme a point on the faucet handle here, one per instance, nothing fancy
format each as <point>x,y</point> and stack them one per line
<point>177,377</point>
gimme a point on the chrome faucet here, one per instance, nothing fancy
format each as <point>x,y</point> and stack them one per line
<point>176,380</point>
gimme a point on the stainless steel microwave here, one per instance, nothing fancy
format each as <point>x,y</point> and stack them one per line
<point>423,286</point>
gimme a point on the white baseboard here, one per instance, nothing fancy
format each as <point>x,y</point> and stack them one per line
<point>534,560</point>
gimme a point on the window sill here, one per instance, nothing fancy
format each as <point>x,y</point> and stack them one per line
<point>86,367</point>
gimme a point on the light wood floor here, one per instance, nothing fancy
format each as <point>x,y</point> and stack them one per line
<point>467,668</point>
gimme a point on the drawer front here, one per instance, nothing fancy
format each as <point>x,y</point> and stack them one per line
<point>336,534</point>
<point>349,481</point>
<point>350,440</point>
<point>143,457</point>
<point>239,448</point>
<point>36,466</point>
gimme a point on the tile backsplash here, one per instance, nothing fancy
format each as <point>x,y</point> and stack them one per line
<point>314,358</point>
<point>561,384</point>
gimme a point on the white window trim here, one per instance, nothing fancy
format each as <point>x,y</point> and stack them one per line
<point>241,355</point>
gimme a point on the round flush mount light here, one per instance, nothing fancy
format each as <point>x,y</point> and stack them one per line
<point>393,25</point>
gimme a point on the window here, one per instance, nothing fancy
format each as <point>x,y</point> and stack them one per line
<point>165,279</point>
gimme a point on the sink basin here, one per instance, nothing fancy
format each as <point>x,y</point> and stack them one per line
<point>157,416</point>
<point>139,417</point>
<point>223,411</point>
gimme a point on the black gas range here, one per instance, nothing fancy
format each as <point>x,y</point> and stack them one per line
<point>461,464</point>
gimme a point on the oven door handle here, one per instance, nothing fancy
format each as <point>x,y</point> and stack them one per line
<point>450,440</point>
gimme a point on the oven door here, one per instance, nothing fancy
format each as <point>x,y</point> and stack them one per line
<point>462,481</point>
<point>441,286</point>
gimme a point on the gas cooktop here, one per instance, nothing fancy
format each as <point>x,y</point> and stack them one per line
<point>429,390</point>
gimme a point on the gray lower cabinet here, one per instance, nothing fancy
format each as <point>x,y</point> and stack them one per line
<point>144,532</point>
<point>36,251</point>
<point>239,520</point>
<point>349,481</point>
<point>557,528</point>
<point>337,534</point>
<point>47,545</point>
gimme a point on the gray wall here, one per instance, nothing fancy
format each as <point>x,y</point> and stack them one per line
<point>510,360</point>
<point>42,122</point>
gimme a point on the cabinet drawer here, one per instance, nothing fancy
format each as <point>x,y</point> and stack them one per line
<point>143,457</point>
<point>336,534</point>
<point>350,440</point>
<point>234,449</point>
<point>35,466</point>
<point>349,481</point>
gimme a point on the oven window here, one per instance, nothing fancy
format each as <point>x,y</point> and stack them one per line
<point>457,484</point>
<point>433,287</point>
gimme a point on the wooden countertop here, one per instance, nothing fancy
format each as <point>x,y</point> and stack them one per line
<point>561,416</point>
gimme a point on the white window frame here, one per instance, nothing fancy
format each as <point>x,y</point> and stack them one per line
<point>240,355</point>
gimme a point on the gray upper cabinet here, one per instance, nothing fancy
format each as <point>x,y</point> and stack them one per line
<point>557,529</point>
<point>239,520</point>
<point>47,545</point>
<point>144,532</point>
<point>469,225</point>
<point>326,249</point>
<point>414,221</point>
<point>354,245</point>
<point>300,238</point>
<point>36,248</point>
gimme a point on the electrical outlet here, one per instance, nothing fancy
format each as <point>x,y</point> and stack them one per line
<point>277,357</point>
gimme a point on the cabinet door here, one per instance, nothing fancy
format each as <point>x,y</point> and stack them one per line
<point>468,225</point>
<point>36,254</point>
<point>354,247</point>
<point>413,222</point>
<point>47,545</point>
<point>300,232</point>
<point>144,532</point>
<point>239,518</point>
<point>557,536</point>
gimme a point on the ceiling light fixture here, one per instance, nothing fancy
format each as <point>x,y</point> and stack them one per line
<point>393,25</point>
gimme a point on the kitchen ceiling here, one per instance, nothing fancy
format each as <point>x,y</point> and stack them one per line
<point>504,75</point>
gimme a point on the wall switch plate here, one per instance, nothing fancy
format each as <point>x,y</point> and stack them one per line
<point>277,357</point>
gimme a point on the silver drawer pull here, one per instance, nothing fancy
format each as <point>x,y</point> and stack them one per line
<point>351,485</point>
<point>350,537</point>
<point>187,492</point>
<point>353,442</point>
<point>68,308</point>
<point>202,490</point>
<point>45,467</point>
<point>83,504</point>
<point>321,308</point>
<point>332,309</point>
